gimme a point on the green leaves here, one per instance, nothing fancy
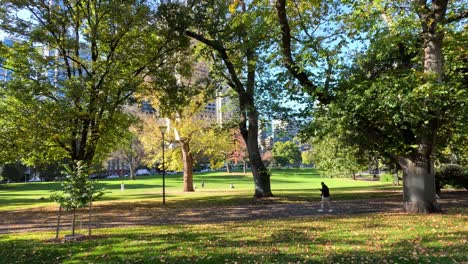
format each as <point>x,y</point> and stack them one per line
<point>77,189</point>
<point>286,153</point>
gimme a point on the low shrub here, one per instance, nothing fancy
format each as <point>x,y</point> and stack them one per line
<point>454,175</point>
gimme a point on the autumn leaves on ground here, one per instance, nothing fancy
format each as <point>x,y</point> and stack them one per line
<point>356,232</point>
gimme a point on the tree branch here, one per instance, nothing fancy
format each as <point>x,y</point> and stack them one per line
<point>239,87</point>
<point>288,59</point>
<point>456,17</point>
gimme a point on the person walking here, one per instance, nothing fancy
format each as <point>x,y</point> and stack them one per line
<point>325,198</point>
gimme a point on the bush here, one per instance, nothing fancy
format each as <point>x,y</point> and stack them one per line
<point>386,177</point>
<point>13,172</point>
<point>454,175</point>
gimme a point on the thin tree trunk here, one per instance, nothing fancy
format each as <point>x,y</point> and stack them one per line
<point>73,222</point>
<point>396,181</point>
<point>132,171</point>
<point>419,195</point>
<point>188,166</point>
<point>89,219</point>
<point>58,222</point>
<point>245,166</point>
<point>228,167</point>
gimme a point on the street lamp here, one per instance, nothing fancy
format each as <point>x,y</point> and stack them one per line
<point>163,129</point>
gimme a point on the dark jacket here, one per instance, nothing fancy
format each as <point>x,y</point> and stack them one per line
<point>325,191</point>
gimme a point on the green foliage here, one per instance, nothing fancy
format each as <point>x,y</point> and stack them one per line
<point>454,175</point>
<point>286,153</point>
<point>336,159</point>
<point>77,65</point>
<point>387,177</point>
<point>13,172</point>
<point>77,189</point>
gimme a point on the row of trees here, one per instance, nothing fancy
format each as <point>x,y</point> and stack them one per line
<point>383,76</point>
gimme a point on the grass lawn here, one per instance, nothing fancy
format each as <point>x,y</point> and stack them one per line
<point>289,185</point>
<point>374,238</point>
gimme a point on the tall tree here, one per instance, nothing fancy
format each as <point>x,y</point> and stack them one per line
<point>392,100</point>
<point>286,153</point>
<point>335,159</point>
<point>233,32</point>
<point>77,64</point>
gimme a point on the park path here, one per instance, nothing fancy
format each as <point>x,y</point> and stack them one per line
<point>146,213</point>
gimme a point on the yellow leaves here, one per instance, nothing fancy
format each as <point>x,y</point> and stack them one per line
<point>233,6</point>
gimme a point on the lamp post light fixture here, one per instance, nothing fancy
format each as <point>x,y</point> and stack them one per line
<point>163,129</point>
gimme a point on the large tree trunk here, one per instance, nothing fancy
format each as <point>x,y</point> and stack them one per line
<point>419,193</point>
<point>431,17</point>
<point>188,166</point>
<point>259,171</point>
<point>433,58</point>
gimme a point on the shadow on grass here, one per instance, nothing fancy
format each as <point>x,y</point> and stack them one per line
<point>282,242</point>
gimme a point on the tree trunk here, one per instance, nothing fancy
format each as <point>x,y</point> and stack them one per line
<point>433,58</point>
<point>228,167</point>
<point>245,166</point>
<point>73,222</point>
<point>260,173</point>
<point>58,222</point>
<point>431,18</point>
<point>89,219</point>
<point>132,171</point>
<point>419,195</point>
<point>188,166</point>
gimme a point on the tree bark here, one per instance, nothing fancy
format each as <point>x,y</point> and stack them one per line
<point>89,219</point>
<point>288,59</point>
<point>132,171</point>
<point>418,184</point>
<point>57,231</point>
<point>260,173</point>
<point>228,167</point>
<point>188,166</point>
<point>431,17</point>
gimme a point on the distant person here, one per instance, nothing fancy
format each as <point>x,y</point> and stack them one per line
<point>325,198</point>
<point>203,184</point>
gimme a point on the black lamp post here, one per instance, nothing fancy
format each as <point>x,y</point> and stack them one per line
<point>163,130</point>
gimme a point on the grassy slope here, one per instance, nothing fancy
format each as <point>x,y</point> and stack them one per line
<point>301,184</point>
<point>376,238</point>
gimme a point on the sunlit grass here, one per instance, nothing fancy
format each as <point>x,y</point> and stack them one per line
<point>374,238</point>
<point>288,185</point>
